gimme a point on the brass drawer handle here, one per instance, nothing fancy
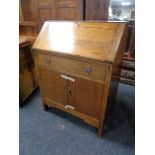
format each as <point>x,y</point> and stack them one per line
<point>69,106</point>
<point>88,70</point>
<point>48,60</point>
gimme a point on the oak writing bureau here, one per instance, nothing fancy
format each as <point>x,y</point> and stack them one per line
<point>77,65</point>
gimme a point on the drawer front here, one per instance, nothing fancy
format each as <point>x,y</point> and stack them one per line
<point>128,74</point>
<point>127,81</point>
<point>128,64</point>
<point>88,70</point>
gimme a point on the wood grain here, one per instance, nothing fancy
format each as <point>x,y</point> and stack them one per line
<point>88,119</point>
<point>97,9</point>
<point>76,63</point>
<point>86,96</point>
<point>59,10</point>
<point>28,81</point>
<point>91,40</point>
<point>53,86</point>
<point>69,66</point>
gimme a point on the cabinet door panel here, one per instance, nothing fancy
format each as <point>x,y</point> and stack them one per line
<point>66,14</point>
<point>69,9</point>
<point>45,11</point>
<point>45,3</point>
<point>86,96</point>
<point>97,9</point>
<point>45,14</point>
<point>53,86</point>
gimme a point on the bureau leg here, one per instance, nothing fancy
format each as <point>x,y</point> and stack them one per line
<point>100,131</point>
<point>44,105</point>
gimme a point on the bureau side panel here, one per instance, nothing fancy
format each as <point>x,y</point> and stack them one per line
<point>119,57</point>
<point>116,70</point>
<point>105,99</point>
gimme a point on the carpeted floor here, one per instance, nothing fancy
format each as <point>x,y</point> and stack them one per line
<point>57,133</point>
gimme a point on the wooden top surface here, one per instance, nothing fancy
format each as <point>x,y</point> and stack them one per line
<point>92,40</point>
<point>23,41</point>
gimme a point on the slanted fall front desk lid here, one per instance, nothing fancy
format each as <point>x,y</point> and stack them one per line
<point>91,40</point>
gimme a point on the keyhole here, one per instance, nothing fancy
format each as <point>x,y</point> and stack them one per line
<point>69,91</point>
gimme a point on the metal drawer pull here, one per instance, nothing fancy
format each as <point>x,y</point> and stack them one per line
<point>71,79</point>
<point>131,65</point>
<point>69,106</point>
<point>64,76</point>
<point>67,78</point>
<point>88,70</point>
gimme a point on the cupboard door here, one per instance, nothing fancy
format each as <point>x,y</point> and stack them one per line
<point>65,14</point>
<point>44,14</point>
<point>45,11</point>
<point>86,96</point>
<point>69,9</point>
<point>27,10</point>
<point>53,86</point>
<point>96,9</point>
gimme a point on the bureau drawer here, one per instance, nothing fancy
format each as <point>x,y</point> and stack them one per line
<point>128,64</point>
<point>128,74</point>
<point>89,70</point>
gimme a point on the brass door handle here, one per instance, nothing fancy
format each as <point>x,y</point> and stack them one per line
<point>67,78</point>
<point>71,79</point>
<point>69,107</point>
<point>63,76</point>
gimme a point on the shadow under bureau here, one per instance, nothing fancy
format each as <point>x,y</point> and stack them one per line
<point>77,63</point>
